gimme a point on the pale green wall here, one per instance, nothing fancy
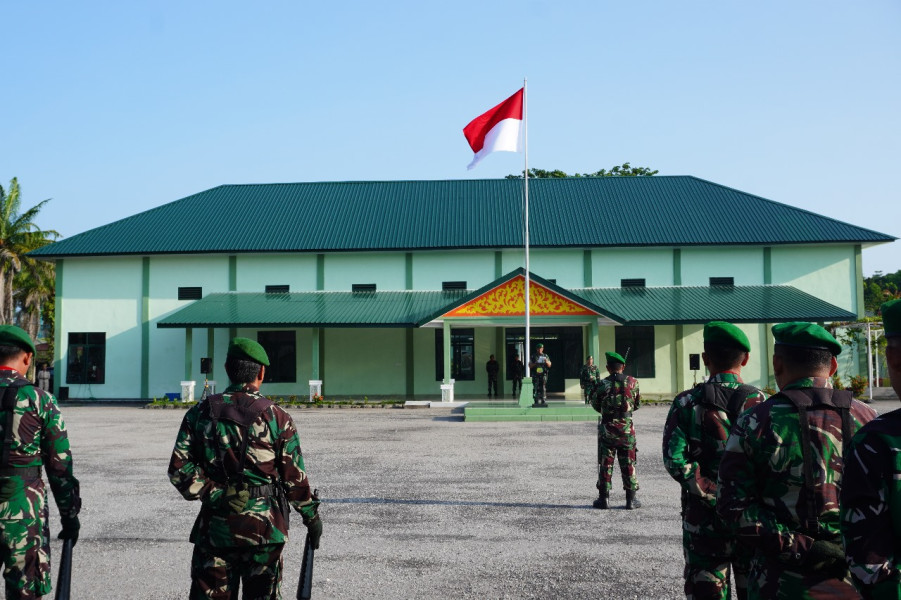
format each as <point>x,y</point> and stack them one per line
<point>167,346</point>
<point>700,264</point>
<point>563,265</point>
<point>295,270</point>
<point>610,265</point>
<point>431,269</point>
<point>827,272</point>
<point>346,350</point>
<point>386,270</point>
<point>118,282</point>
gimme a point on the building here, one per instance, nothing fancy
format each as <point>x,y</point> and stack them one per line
<point>380,288</point>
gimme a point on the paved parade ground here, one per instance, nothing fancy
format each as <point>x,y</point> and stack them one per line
<point>417,504</point>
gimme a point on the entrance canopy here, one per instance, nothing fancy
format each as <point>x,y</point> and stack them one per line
<point>503,301</point>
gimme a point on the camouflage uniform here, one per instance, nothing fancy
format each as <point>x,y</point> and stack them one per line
<point>38,440</point>
<point>615,397</point>
<point>248,544</point>
<point>871,500</point>
<point>517,372</point>
<point>764,495</point>
<point>588,377</point>
<point>539,371</point>
<point>694,439</point>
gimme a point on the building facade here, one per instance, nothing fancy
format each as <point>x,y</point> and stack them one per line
<point>390,288</point>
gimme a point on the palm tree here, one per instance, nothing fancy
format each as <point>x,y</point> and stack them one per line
<point>18,236</point>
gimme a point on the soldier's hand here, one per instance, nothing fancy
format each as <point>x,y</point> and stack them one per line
<point>70,529</point>
<point>314,529</point>
<point>235,498</point>
<point>823,555</point>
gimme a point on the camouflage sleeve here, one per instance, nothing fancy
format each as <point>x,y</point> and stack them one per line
<point>676,457</point>
<point>753,400</point>
<point>291,465</point>
<point>57,458</point>
<point>637,397</point>
<point>866,523</point>
<point>737,501</point>
<point>597,395</point>
<point>185,470</point>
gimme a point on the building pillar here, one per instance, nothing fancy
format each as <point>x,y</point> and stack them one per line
<point>189,351</point>
<point>447,351</point>
<point>679,362</point>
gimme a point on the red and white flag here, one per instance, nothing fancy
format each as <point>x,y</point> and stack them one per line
<point>498,130</point>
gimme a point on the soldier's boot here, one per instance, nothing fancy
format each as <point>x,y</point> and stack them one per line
<point>601,502</point>
<point>631,500</point>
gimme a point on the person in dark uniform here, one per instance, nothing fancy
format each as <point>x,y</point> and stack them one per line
<point>492,368</point>
<point>539,365</point>
<point>517,372</point>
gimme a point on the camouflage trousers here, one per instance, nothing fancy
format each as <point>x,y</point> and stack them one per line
<point>539,392</point>
<point>627,457</point>
<point>708,563</point>
<point>216,573</point>
<point>25,549</point>
<point>770,580</point>
<point>517,386</point>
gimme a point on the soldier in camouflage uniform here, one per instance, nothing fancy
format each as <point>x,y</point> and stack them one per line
<point>780,477</point>
<point>588,376</point>
<point>240,455</point>
<point>539,365</point>
<point>871,487</point>
<point>694,438</point>
<point>615,397</point>
<point>34,437</point>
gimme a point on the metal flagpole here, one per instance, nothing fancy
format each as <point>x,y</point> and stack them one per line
<point>525,133</point>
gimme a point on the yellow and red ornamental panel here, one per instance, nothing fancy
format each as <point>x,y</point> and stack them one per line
<point>508,300</point>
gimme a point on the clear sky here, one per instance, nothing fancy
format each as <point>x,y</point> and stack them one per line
<point>112,108</point>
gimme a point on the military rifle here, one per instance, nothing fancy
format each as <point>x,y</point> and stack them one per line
<point>305,585</point>
<point>64,578</point>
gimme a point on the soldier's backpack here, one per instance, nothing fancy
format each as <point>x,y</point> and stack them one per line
<point>722,398</point>
<point>8,407</point>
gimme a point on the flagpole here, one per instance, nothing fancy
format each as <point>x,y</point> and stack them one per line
<point>525,127</point>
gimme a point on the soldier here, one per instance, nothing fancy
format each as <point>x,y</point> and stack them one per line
<point>694,438</point>
<point>492,368</point>
<point>871,487</point>
<point>615,397</point>
<point>781,473</point>
<point>34,435</point>
<point>517,372</point>
<point>588,377</point>
<point>240,455</point>
<point>540,364</point>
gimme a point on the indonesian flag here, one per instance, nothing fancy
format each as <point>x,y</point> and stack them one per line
<point>498,130</point>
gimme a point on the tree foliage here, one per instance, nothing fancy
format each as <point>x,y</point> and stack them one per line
<point>625,170</point>
<point>881,288</point>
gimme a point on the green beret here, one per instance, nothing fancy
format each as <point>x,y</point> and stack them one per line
<point>613,357</point>
<point>10,335</point>
<point>539,346</point>
<point>247,349</point>
<point>891,318</point>
<point>720,332</point>
<point>806,335</point>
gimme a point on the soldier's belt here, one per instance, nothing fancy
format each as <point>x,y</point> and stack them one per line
<point>23,472</point>
<point>263,491</point>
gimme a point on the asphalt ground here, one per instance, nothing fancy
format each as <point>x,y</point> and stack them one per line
<point>417,504</point>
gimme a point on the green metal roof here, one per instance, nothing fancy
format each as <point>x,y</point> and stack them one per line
<point>738,304</point>
<point>411,215</point>
<point>646,306</point>
<point>310,309</point>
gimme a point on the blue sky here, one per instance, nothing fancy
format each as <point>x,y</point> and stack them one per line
<point>112,108</point>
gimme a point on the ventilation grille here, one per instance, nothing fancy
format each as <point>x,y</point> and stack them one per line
<point>190,293</point>
<point>632,283</point>
<point>362,288</point>
<point>722,281</point>
<point>278,289</point>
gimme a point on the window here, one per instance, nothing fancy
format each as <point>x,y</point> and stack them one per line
<point>453,285</point>
<point>362,287</point>
<point>86,361</point>
<point>462,355</point>
<point>632,282</point>
<point>190,293</point>
<point>281,348</point>
<point>638,342</point>
<point>278,289</point>
<point>722,281</point>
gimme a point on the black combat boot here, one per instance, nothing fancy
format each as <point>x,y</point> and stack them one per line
<point>631,500</point>
<point>601,502</point>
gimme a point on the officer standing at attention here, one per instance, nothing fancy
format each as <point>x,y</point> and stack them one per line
<point>492,368</point>
<point>781,473</point>
<point>34,436</point>
<point>539,366</point>
<point>588,377</point>
<point>239,454</point>
<point>694,438</point>
<point>517,372</point>
<point>615,397</point>
<point>871,487</point>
